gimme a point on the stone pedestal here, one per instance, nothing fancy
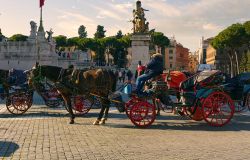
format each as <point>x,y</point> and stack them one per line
<point>140,50</point>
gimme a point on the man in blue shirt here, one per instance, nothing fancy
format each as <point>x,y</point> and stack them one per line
<point>153,68</point>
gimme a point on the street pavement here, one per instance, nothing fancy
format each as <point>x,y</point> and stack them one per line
<point>44,133</point>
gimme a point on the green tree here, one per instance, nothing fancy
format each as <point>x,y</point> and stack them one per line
<point>18,37</point>
<point>74,41</point>
<point>230,39</point>
<point>119,34</point>
<point>162,41</point>
<point>100,32</point>
<point>246,26</point>
<point>82,32</point>
<point>61,41</point>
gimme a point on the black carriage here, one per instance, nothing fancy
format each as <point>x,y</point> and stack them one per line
<point>14,89</point>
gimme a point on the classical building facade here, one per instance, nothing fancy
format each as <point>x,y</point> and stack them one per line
<point>202,51</point>
<point>218,59</point>
<point>24,54</point>
<point>176,56</point>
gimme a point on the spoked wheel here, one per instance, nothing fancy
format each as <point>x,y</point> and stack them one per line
<point>52,98</point>
<point>142,114</point>
<point>82,105</point>
<point>20,103</point>
<point>218,109</point>
<point>129,105</point>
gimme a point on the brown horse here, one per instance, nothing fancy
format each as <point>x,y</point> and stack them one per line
<point>78,82</point>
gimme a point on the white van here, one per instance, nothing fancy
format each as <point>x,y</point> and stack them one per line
<point>204,67</point>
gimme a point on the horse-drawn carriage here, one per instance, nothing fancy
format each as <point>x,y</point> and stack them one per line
<point>14,89</point>
<point>201,97</point>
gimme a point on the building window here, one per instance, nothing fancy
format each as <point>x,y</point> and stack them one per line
<point>170,65</point>
<point>170,57</point>
<point>171,51</point>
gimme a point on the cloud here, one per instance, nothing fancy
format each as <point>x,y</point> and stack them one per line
<point>210,26</point>
<point>69,22</point>
<point>105,13</point>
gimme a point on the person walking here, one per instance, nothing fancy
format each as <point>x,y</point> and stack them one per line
<point>120,76</point>
<point>123,76</point>
<point>129,75</point>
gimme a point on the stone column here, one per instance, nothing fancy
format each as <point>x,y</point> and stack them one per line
<point>140,50</point>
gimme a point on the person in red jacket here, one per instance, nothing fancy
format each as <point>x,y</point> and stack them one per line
<point>140,70</point>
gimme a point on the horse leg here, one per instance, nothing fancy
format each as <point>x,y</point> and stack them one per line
<point>158,109</point>
<point>107,105</point>
<point>97,121</point>
<point>69,106</point>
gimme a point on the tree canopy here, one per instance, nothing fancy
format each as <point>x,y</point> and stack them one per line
<point>159,39</point>
<point>100,32</point>
<point>61,41</point>
<point>18,37</point>
<point>82,32</point>
<point>119,34</point>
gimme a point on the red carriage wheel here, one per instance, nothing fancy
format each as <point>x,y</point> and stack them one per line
<point>129,105</point>
<point>81,105</point>
<point>142,114</point>
<point>20,103</point>
<point>218,109</point>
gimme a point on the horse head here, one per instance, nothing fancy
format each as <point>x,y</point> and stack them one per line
<point>34,76</point>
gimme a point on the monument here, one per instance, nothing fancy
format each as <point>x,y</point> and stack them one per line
<point>24,54</point>
<point>140,38</point>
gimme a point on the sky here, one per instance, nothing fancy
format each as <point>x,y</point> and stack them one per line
<point>186,20</point>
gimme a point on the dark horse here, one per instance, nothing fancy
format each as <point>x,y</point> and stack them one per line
<point>71,82</point>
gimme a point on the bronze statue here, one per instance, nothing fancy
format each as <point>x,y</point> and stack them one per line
<point>139,22</point>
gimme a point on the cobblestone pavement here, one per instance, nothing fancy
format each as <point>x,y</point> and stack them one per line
<point>44,133</point>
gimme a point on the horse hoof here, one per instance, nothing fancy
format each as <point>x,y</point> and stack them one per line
<point>102,121</point>
<point>71,122</point>
<point>96,122</point>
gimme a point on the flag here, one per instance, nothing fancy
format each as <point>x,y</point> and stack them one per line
<point>41,3</point>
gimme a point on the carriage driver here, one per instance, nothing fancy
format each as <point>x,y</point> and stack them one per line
<point>153,69</point>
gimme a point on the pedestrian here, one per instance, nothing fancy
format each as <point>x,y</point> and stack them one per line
<point>140,69</point>
<point>129,75</point>
<point>116,74</point>
<point>120,76</point>
<point>123,75</point>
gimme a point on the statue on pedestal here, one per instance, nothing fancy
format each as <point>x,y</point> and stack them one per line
<point>33,30</point>
<point>139,21</point>
<point>49,38</point>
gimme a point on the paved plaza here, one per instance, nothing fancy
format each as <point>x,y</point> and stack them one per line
<point>44,133</point>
